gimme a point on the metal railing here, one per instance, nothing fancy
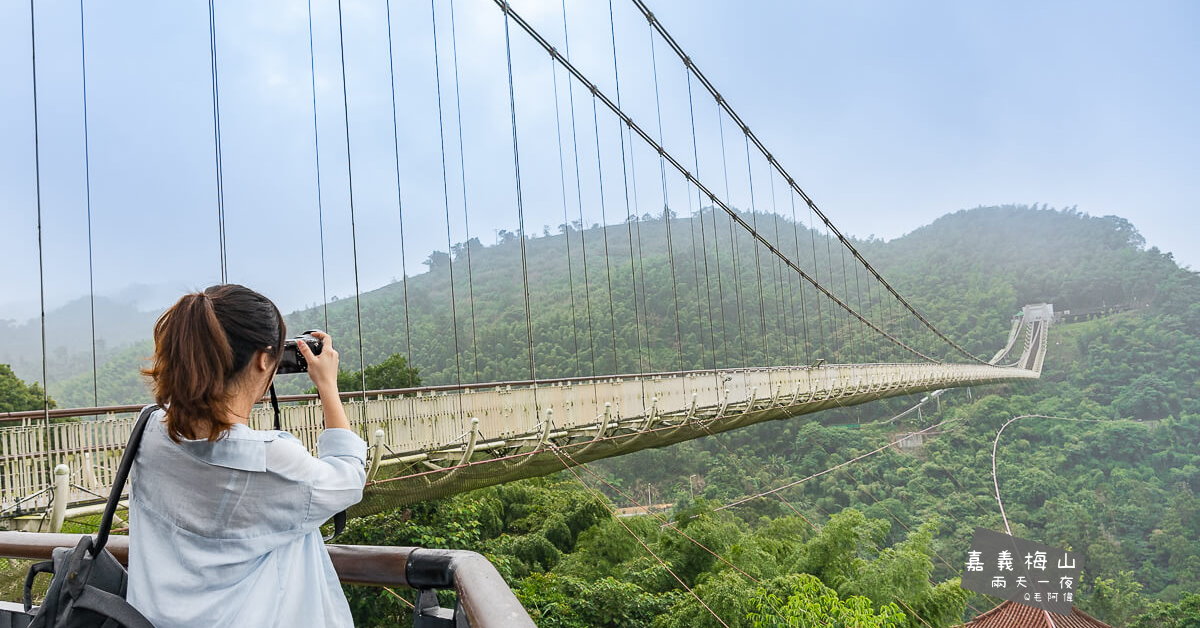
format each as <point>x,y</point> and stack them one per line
<point>484,599</point>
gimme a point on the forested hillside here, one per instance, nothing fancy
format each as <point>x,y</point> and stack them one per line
<point>968,272</point>
<point>879,542</point>
<point>1114,477</point>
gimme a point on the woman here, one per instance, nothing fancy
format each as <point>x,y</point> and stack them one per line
<point>224,519</point>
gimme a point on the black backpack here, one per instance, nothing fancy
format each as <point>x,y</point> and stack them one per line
<point>88,585</point>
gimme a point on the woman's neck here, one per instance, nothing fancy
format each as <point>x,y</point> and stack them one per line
<point>242,404</point>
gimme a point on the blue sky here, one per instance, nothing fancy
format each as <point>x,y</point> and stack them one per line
<point>888,114</point>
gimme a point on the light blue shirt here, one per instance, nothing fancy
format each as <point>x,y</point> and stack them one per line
<point>227,533</point>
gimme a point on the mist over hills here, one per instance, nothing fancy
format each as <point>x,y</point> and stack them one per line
<point>967,271</point>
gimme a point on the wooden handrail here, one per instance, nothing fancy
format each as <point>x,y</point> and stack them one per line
<point>483,596</point>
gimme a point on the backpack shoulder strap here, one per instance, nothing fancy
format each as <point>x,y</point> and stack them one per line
<point>112,606</point>
<point>114,496</point>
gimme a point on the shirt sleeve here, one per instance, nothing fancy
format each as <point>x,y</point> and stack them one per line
<point>335,476</point>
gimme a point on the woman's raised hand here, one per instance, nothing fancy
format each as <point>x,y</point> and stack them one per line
<point>323,368</point>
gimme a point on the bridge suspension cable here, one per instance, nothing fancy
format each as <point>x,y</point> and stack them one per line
<point>37,183</point>
<point>512,107</point>
<point>312,64</point>
<point>599,95</point>
<point>87,185</point>
<point>218,162</point>
<point>751,137</point>
<point>437,74</point>
<point>399,188</point>
<point>362,362</point>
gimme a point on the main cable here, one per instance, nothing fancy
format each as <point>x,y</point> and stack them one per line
<point>641,5</point>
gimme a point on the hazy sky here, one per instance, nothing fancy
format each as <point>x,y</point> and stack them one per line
<point>888,114</point>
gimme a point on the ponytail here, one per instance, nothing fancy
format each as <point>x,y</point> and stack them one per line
<point>201,344</point>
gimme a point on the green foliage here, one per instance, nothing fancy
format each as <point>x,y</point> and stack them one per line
<point>392,373</point>
<point>1121,489</point>
<point>16,395</point>
<point>1185,614</point>
<point>812,604</point>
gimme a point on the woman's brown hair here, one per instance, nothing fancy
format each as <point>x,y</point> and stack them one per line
<point>201,345</point>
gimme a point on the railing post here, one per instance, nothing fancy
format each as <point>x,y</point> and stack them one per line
<point>376,454</point>
<point>58,506</point>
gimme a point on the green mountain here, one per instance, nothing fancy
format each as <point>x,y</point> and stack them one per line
<point>1115,477</point>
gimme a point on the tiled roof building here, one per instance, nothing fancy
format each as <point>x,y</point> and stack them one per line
<point>1013,615</point>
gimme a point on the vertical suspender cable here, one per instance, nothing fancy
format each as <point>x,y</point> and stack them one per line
<point>512,108</point>
<point>87,184</point>
<point>862,342</point>
<point>762,303</point>
<point>662,168</point>
<point>787,309</point>
<point>437,73</point>
<point>312,65</point>
<point>637,235</point>
<point>399,193</point>
<point>803,304</point>
<point>462,167</point>
<point>737,267</point>
<point>675,164</point>
<point>216,108</point>
<point>637,313</point>
<point>641,5</point>
<point>37,183</point>
<point>562,181</point>
<point>362,362</point>
<point>612,316</point>
<point>703,236</point>
<point>587,289</point>
<point>851,328</point>
<point>812,236</point>
<point>834,325</point>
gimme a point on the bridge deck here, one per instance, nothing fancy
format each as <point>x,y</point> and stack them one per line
<point>437,442</point>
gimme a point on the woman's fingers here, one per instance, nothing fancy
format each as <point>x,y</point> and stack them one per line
<point>326,339</point>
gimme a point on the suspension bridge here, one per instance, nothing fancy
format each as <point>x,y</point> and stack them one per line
<point>818,326</point>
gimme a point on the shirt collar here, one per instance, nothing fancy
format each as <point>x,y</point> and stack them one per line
<point>240,448</point>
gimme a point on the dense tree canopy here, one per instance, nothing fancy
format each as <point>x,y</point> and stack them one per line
<point>878,542</point>
<point>16,395</point>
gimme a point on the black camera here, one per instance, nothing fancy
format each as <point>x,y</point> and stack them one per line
<point>293,361</point>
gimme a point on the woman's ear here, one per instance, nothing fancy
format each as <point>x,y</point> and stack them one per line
<point>265,361</point>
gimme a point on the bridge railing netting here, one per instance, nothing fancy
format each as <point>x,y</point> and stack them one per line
<point>441,420</point>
